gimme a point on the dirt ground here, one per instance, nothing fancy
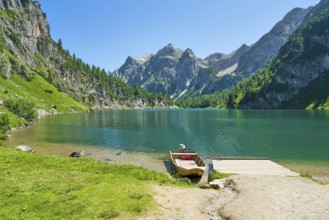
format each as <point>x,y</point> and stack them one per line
<point>253,197</point>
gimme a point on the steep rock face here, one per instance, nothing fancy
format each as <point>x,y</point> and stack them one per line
<point>268,46</point>
<point>301,70</point>
<point>178,74</point>
<point>220,61</point>
<point>131,71</point>
<point>27,49</point>
<point>245,61</point>
<point>24,26</point>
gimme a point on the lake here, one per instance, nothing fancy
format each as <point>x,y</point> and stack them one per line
<point>284,135</point>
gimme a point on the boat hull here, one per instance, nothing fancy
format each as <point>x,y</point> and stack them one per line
<point>188,163</point>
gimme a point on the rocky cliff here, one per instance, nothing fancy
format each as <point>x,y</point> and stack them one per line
<point>181,74</point>
<point>27,50</point>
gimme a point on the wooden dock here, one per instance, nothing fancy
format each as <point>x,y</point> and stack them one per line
<point>250,166</point>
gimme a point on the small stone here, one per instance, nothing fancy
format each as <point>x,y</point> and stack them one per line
<point>25,148</point>
<point>214,185</point>
<point>228,182</point>
<point>204,186</point>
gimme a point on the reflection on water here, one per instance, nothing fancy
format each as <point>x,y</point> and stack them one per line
<point>280,135</point>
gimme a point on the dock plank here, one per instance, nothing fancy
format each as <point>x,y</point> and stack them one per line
<point>251,167</point>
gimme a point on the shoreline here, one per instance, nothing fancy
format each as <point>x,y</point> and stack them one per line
<point>158,161</point>
<point>152,160</point>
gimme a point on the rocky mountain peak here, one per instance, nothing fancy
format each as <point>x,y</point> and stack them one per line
<point>188,54</point>
<point>131,60</point>
<point>290,22</point>
<point>240,50</point>
<point>293,15</point>
<point>267,47</point>
<point>169,50</point>
<point>215,56</point>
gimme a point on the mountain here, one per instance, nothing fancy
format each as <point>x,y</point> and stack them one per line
<point>181,74</point>
<point>29,58</point>
<point>297,77</point>
<point>171,71</point>
<point>300,73</point>
<point>245,61</point>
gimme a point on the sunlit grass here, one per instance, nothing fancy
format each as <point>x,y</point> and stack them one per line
<point>34,186</point>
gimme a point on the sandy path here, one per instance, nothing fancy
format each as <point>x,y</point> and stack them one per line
<point>273,197</point>
<point>256,197</point>
<point>187,203</point>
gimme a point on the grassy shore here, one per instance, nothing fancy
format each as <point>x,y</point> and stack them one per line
<point>34,186</point>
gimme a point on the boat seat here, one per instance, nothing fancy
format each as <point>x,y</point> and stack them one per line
<point>187,164</point>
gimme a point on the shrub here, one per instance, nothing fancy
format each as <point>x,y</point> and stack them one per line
<point>49,91</point>
<point>21,108</point>
<point>4,123</point>
<point>3,137</point>
<point>108,214</point>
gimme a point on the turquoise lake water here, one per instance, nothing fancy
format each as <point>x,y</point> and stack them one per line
<point>278,134</point>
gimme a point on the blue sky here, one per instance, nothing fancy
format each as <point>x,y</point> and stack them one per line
<point>105,32</point>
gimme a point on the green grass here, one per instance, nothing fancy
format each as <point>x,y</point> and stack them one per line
<point>8,14</point>
<point>217,175</point>
<point>15,121</point>
<point>306,175</point>
<point>38,91</point>
<point>34,186</point>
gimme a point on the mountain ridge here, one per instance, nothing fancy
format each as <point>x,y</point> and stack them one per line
<point>216,72</point>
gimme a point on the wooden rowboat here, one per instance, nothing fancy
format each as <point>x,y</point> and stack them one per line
<point>188,163</point>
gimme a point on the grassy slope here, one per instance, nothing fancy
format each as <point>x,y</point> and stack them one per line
<point>36,91</point>
<point>34,186</point>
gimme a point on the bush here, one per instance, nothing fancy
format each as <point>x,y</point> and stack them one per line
<point>4,123</point>
<point>22,108</point>
<point>3,137</point>
<point>49,91</point>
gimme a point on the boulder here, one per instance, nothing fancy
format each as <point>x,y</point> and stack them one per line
<point>221,183</point>
<point>77,154</point>
<point>25,148</point>
<point>216,185</point>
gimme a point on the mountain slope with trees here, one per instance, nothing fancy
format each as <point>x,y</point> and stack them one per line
<point>35,68</point>
<point>297,78</point>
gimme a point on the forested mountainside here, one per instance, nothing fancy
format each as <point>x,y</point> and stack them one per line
<point>35,68</point>
<point>181,74</point>
<point>297,78</point>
